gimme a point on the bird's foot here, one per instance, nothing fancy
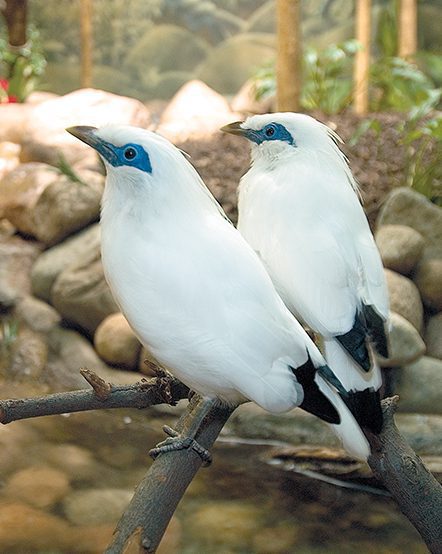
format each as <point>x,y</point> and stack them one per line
<point>176,442</point>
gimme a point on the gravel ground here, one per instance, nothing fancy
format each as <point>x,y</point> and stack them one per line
<point>378,161</point>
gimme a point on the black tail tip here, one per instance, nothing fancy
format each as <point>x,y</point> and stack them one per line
<point>366,407</point>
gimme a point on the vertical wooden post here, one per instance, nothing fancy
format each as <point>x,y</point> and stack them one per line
<point>407,28</point>
<point>362,58</point>
<point>86,42</point>
<point>15,13</point>
<point>289,57</point>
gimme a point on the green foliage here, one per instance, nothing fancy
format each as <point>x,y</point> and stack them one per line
<point>8,333</point>
<point>399,85</point>
<point>22,67</point>
<point>327,78</point>
<point>421,132</point>
<point>65,168</point>
<point>422,135</point>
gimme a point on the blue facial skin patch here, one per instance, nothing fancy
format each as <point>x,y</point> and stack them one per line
<point>272,131</point>
<point>130,155</point>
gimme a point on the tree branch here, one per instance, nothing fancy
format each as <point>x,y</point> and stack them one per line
<point>416,491</point>
<point>142,526</point>
<point>163,389</point>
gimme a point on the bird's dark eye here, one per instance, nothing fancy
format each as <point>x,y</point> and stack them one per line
<point>270,131</point>
<point>130,153</point>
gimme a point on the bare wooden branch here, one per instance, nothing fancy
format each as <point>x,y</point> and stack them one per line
<point>148,392</point>
<point>142,526</point>
<point>416,491</point>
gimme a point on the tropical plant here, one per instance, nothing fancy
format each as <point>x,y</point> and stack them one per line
<point>327,78</point>
<point>22,67</point>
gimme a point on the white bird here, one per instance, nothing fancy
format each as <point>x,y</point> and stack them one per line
<point>195,292</point>
<point>299,210</point>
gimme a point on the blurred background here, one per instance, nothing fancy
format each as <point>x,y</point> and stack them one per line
<point>370,70</point>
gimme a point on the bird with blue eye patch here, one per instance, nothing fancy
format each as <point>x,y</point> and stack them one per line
<point>299,209</point>
<point>197,295</point>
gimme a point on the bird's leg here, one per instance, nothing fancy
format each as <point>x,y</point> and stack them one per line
<point>185,438</point>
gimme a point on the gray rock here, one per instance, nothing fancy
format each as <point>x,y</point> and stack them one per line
<point>227,67</point>
<point>45,131</point>
<point>9,159</point>
<point>65,206</point>
<point>58,258</point>
<point>20,190</point>
<point>404,206</point>
<point>428,278</point>
<point>420,430</point>
<point>95,506</point>
<point>298,428</point>
<point>152,51</point>
<point>405,343</point>
<point>195,111</point>
<point>68,353</point>
<point>14,120</point>
<point>16,259</point>
<point>116,343</point>
<point>41,487</point>
<point>28,355</point>
<point>36,314</point>
<point>404,298</point>
<point>245,100</point>
<point>81,294</point>
<point>400,247</point>
<point>433,336</point>
<point>419,386</point>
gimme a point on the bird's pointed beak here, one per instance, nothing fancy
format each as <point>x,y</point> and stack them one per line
<point>89,136</point>
<point>85,134</point>
<point>235,128</point>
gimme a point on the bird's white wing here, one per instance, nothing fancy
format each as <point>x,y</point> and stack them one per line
<point>374,287</point>
<point>221,323</point>
<point>305,248</point>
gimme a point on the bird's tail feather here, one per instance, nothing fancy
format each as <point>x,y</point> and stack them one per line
<point>323,394</point>
<point>348,430</point>
<point>362,388</point>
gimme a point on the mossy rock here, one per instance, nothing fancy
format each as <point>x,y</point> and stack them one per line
<point>166,48</point>
<point>263,20</point>
<point>168,84</point>
<point>230,64</point>
<point>113,80</point>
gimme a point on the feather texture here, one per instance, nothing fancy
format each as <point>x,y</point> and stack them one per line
<point>193,290</point>
<point>299,209</point>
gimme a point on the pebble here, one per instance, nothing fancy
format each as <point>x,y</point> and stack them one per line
<point>116,343</point>
<point>40,487</point>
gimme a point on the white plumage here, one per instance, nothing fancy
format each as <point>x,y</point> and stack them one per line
<point>191,287</point>
<point>299,210</point>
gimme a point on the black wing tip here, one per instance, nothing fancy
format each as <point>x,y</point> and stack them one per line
<point>354,343</point>
<point>377,330</point>
<point>315,402</point>
<point>365,405</point>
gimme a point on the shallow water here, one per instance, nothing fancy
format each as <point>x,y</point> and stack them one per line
<point>241,504</point>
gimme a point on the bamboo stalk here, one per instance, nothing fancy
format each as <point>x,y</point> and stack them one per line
<point>289,58</point>
<point>86,42</point>
<point>407,28</point>
<point>362,59</point>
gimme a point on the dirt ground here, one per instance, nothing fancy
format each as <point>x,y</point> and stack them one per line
<point>378,162</point>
